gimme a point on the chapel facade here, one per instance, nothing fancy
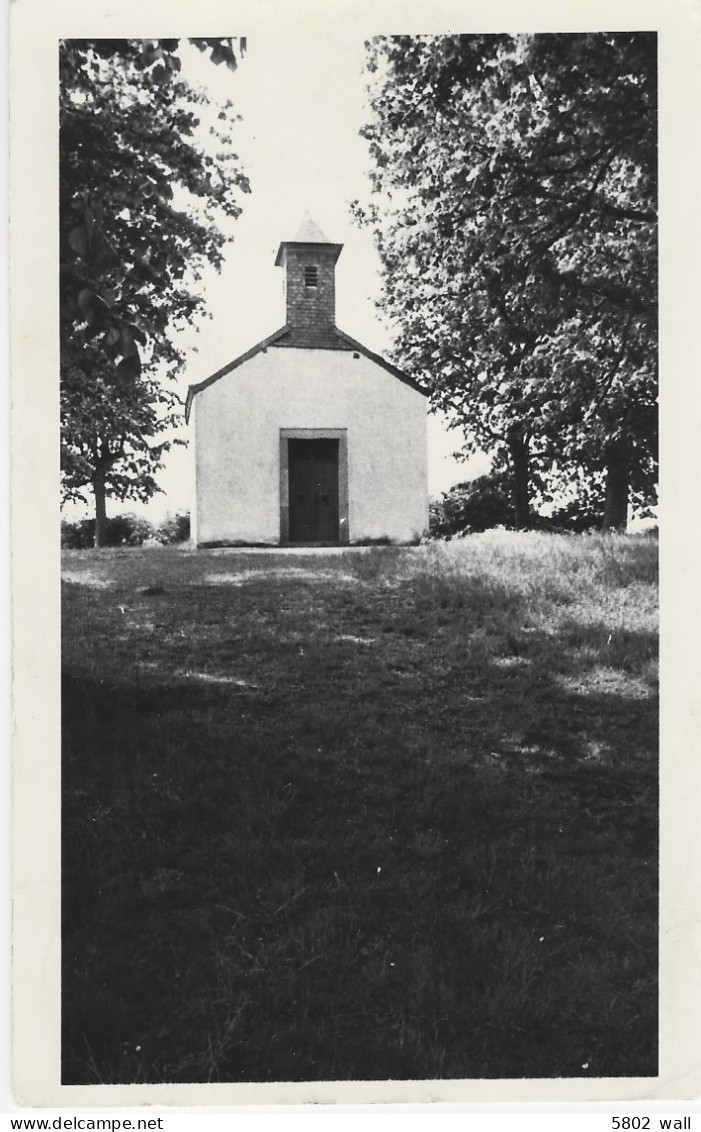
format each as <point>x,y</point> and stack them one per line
<point>309,438</point>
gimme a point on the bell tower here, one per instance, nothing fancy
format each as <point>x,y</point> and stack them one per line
<point>309,263</point>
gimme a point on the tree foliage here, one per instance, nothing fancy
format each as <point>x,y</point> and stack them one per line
<point>141,202</point>
<point>515,197</point>
<point>474,506</point>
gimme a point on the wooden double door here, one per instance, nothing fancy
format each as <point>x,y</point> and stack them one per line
<point>313,487</point>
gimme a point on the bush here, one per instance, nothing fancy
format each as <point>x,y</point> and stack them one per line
<point>78,536</point>
<point>126,530</point>
<point>475,506</point>
<point>577,516</point>
<point>486,502</point>
<point>122,530</point>
<point>174,529</point>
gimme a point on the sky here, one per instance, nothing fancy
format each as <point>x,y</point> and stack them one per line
<point>301,98</point>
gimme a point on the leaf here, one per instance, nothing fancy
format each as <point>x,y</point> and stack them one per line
<point>129,367</point>
<point>111,341</point>
<point>86,299</point>
<point>78,240</point>
<point>104,256</point>
<point>127,345</point>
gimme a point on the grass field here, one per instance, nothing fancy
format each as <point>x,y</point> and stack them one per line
<point>386,813</point>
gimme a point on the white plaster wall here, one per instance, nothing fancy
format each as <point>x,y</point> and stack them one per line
<point>237,437</point>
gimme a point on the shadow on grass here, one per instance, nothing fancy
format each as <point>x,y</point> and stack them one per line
<point>423,857</point>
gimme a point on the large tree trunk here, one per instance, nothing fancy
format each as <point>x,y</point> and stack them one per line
<point>617,477</point>
<point>100,510</point>
<point>518,450</point>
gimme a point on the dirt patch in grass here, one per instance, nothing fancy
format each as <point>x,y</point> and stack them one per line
<point>85,578</point>
<point>404,828</point>
<point>291,573</point>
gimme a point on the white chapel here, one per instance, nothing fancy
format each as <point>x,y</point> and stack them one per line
<point>308,438</point>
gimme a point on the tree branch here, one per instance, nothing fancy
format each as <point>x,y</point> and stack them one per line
<point>572,215</point>
<point>638,215</point>
<point>612,376</point>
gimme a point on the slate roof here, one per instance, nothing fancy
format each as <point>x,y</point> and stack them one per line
<point>308,232</point>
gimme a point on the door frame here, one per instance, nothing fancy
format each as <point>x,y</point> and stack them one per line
<point>339,434</point>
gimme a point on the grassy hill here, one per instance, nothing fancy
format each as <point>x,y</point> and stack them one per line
<point>386,813</point>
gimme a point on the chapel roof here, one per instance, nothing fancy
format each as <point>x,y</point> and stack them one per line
<point>345,342</point>
<point>308,232</point>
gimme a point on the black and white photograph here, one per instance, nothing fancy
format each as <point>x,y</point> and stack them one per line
<point>359,770</point>
<point>358,473</point>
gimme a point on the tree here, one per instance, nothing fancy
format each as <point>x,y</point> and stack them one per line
<point>140,206</point>
<point>514,207</point>
<point>111,433</point>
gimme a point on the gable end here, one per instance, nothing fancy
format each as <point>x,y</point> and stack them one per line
<point>257,349</point>
<point>281,338</point>
<point>353,344</point>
